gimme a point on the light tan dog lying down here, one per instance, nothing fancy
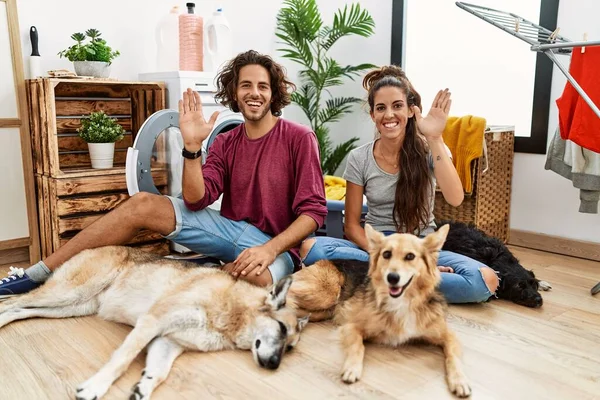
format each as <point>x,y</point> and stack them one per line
<point>174,306</point>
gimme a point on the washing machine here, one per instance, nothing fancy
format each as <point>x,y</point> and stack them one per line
<point>158,143</point>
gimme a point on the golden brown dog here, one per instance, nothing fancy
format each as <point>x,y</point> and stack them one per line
<point>390,300</point>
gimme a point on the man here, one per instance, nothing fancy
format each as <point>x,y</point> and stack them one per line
<point>267,169</point>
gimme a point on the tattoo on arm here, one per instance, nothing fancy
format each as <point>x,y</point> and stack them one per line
<point>439,158</point>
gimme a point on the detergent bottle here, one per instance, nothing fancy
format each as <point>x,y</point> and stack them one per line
<point>191,40</point>
<point>167,41</point>
<point>219,41</point>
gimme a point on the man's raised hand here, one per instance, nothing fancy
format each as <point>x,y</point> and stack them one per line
<point>194,128</point>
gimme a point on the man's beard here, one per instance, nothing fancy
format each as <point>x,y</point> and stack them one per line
<point>249,115</point>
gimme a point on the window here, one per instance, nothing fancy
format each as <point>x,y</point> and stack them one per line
<point>490,73</point>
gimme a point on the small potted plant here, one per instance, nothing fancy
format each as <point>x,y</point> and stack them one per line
<point>90,59</point>
<point>101,132</point>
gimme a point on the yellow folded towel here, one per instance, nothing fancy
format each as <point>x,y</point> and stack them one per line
<point>464,138</point>
<point>335,187</point>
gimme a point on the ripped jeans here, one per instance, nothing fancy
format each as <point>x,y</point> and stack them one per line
<point>465,285</point>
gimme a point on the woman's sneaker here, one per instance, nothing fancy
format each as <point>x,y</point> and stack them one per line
<point>17,282</point>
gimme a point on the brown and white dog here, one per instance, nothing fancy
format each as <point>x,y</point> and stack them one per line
<point>390,300</point>
<point>173,306</point>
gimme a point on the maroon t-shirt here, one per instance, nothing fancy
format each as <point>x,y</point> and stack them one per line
<point>267,182</point>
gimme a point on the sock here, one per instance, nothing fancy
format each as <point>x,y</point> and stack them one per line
<point>38,272</point>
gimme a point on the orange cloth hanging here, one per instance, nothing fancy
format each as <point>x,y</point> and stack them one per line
<point>577,121</point>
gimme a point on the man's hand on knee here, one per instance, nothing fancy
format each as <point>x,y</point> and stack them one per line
<point>229,268</point>
<point>254,261</point>
<point>265,279</point>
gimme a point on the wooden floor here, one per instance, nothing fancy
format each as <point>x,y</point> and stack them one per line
<point>510,352</point>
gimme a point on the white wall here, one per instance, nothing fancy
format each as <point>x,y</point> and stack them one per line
<point>13,207</point>
<point>8,98</point>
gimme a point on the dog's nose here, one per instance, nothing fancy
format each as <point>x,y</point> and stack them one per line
<point>393,278</point>
<point>273,362</point>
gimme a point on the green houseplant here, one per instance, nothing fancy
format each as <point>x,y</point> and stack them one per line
<point>101,132</point>
<point>307,41</point>
<point>90,59</point>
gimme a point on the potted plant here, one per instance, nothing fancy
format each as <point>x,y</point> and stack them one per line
<point>307,41</point>
<point>90,59</point>
<point>101,132</point>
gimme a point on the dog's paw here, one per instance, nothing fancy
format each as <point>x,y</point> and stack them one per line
<point>142,389</point>
<point>352,373</point>
<point>460,387</point>
<point>545,286</point>
<point>91,390</point>
<point>136,393</point>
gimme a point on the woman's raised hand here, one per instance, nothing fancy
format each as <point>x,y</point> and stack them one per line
<point>432,126</point>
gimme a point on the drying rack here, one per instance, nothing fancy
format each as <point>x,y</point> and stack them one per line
<point>541,39</point>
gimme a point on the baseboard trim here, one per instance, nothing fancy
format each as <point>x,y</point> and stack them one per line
<point>16,255</point>
<point>555,244</point>
<point>14,243</point>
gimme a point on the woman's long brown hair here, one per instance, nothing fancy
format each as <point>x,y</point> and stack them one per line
<point>414,187</point>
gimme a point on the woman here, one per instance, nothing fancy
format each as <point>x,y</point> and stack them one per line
<point>397,173</point>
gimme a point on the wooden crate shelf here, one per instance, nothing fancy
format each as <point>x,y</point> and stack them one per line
<point>57,107</point>
<point>68,205</point>
<point>70,194</point>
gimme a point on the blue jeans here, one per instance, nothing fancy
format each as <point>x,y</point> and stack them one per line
<point>464,285</point>
<point>208,233</point>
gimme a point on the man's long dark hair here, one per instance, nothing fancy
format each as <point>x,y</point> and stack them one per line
<point>227,81</point>
<point>414,188</point>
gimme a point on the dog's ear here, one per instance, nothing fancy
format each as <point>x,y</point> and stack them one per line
<point>373,237</point>
<point>278,293</point>
<point>302,322</point>
<point>434,241</point>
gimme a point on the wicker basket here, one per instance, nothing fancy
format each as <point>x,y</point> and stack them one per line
<point>488,206</point>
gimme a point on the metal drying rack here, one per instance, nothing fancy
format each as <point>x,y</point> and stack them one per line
<point>541,39</point>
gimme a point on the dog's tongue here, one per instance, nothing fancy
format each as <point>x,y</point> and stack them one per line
<point>395,291</point>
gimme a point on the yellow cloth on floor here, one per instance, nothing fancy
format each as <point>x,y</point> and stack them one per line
<point>335,187</point>
<point>464,138</point>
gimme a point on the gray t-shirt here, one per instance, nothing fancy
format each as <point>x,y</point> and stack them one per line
<point>380,188</point>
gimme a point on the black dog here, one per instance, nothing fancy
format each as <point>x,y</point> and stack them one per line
<point>516,283</point>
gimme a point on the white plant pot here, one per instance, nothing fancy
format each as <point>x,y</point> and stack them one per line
<point>97,69</point>
<point>102,154</point>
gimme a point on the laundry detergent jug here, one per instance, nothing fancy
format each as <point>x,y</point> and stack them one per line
<point>167,41</point>
<point>191,40</point>
<point>218,43</point>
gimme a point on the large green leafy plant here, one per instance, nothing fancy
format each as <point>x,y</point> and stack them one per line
<point>100,128</point>
<point>307,42</point>
<point>95,50</point>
